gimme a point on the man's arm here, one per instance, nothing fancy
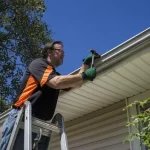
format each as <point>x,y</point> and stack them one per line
<point>66,81</point>
<point>76,80</point>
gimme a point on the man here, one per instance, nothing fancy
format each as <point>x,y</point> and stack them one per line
<point>41,85</point>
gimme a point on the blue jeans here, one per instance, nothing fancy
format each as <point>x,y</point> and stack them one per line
<point>7,128</point>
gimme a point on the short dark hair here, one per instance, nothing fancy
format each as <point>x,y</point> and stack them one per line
<point>49,46</point>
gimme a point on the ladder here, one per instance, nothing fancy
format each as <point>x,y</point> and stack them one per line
<point>37,128</point>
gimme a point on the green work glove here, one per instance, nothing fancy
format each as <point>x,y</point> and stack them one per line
<point>88,60</point>
<point>89,74</point>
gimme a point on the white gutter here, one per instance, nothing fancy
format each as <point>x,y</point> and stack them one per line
<point>124,50</point>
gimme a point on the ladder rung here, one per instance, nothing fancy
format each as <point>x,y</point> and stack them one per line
<point>45,125</point>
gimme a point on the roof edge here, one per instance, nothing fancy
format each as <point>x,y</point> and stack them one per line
<point>121,48</point>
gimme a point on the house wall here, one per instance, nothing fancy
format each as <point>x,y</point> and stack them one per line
<point>101,130</point>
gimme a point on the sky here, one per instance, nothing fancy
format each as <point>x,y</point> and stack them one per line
<point>97,24</point>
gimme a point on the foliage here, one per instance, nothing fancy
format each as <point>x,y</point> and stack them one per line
<point>141,123</point>
<point>22,35</point>
<point>4,106</point>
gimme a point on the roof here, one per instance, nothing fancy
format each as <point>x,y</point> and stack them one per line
<point>122,72</point>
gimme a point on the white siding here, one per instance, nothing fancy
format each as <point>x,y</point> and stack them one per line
<point>101,130</point>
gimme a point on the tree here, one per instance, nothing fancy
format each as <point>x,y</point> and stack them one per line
<point>22,35</point>
<point>141,123</point>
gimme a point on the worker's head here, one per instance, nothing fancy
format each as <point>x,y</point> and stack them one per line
<point>53,51</point>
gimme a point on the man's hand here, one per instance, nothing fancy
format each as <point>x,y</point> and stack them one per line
<point>89,74</point>
<point>88,60</point>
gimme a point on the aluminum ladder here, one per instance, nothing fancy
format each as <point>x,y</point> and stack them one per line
<point>31,125</point>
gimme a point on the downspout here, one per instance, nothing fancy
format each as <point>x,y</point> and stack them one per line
<point>128,119</point>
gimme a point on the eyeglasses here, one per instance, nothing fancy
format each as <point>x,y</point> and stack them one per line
<point>60,50</point>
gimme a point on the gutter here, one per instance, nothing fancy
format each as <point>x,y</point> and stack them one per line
<point>129,48</point>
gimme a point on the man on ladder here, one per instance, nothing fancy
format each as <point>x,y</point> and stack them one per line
<point>41,85</point>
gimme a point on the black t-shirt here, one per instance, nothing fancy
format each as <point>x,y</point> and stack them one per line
<point>34,89</point>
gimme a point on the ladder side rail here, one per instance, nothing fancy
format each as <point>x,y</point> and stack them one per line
<point>50,140</point>
<point>15,130</point>
<point>58,119</point>
<point>28,126</point>
<point>64,141</point>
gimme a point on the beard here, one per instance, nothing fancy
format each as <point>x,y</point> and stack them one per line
<point>59,62</point>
